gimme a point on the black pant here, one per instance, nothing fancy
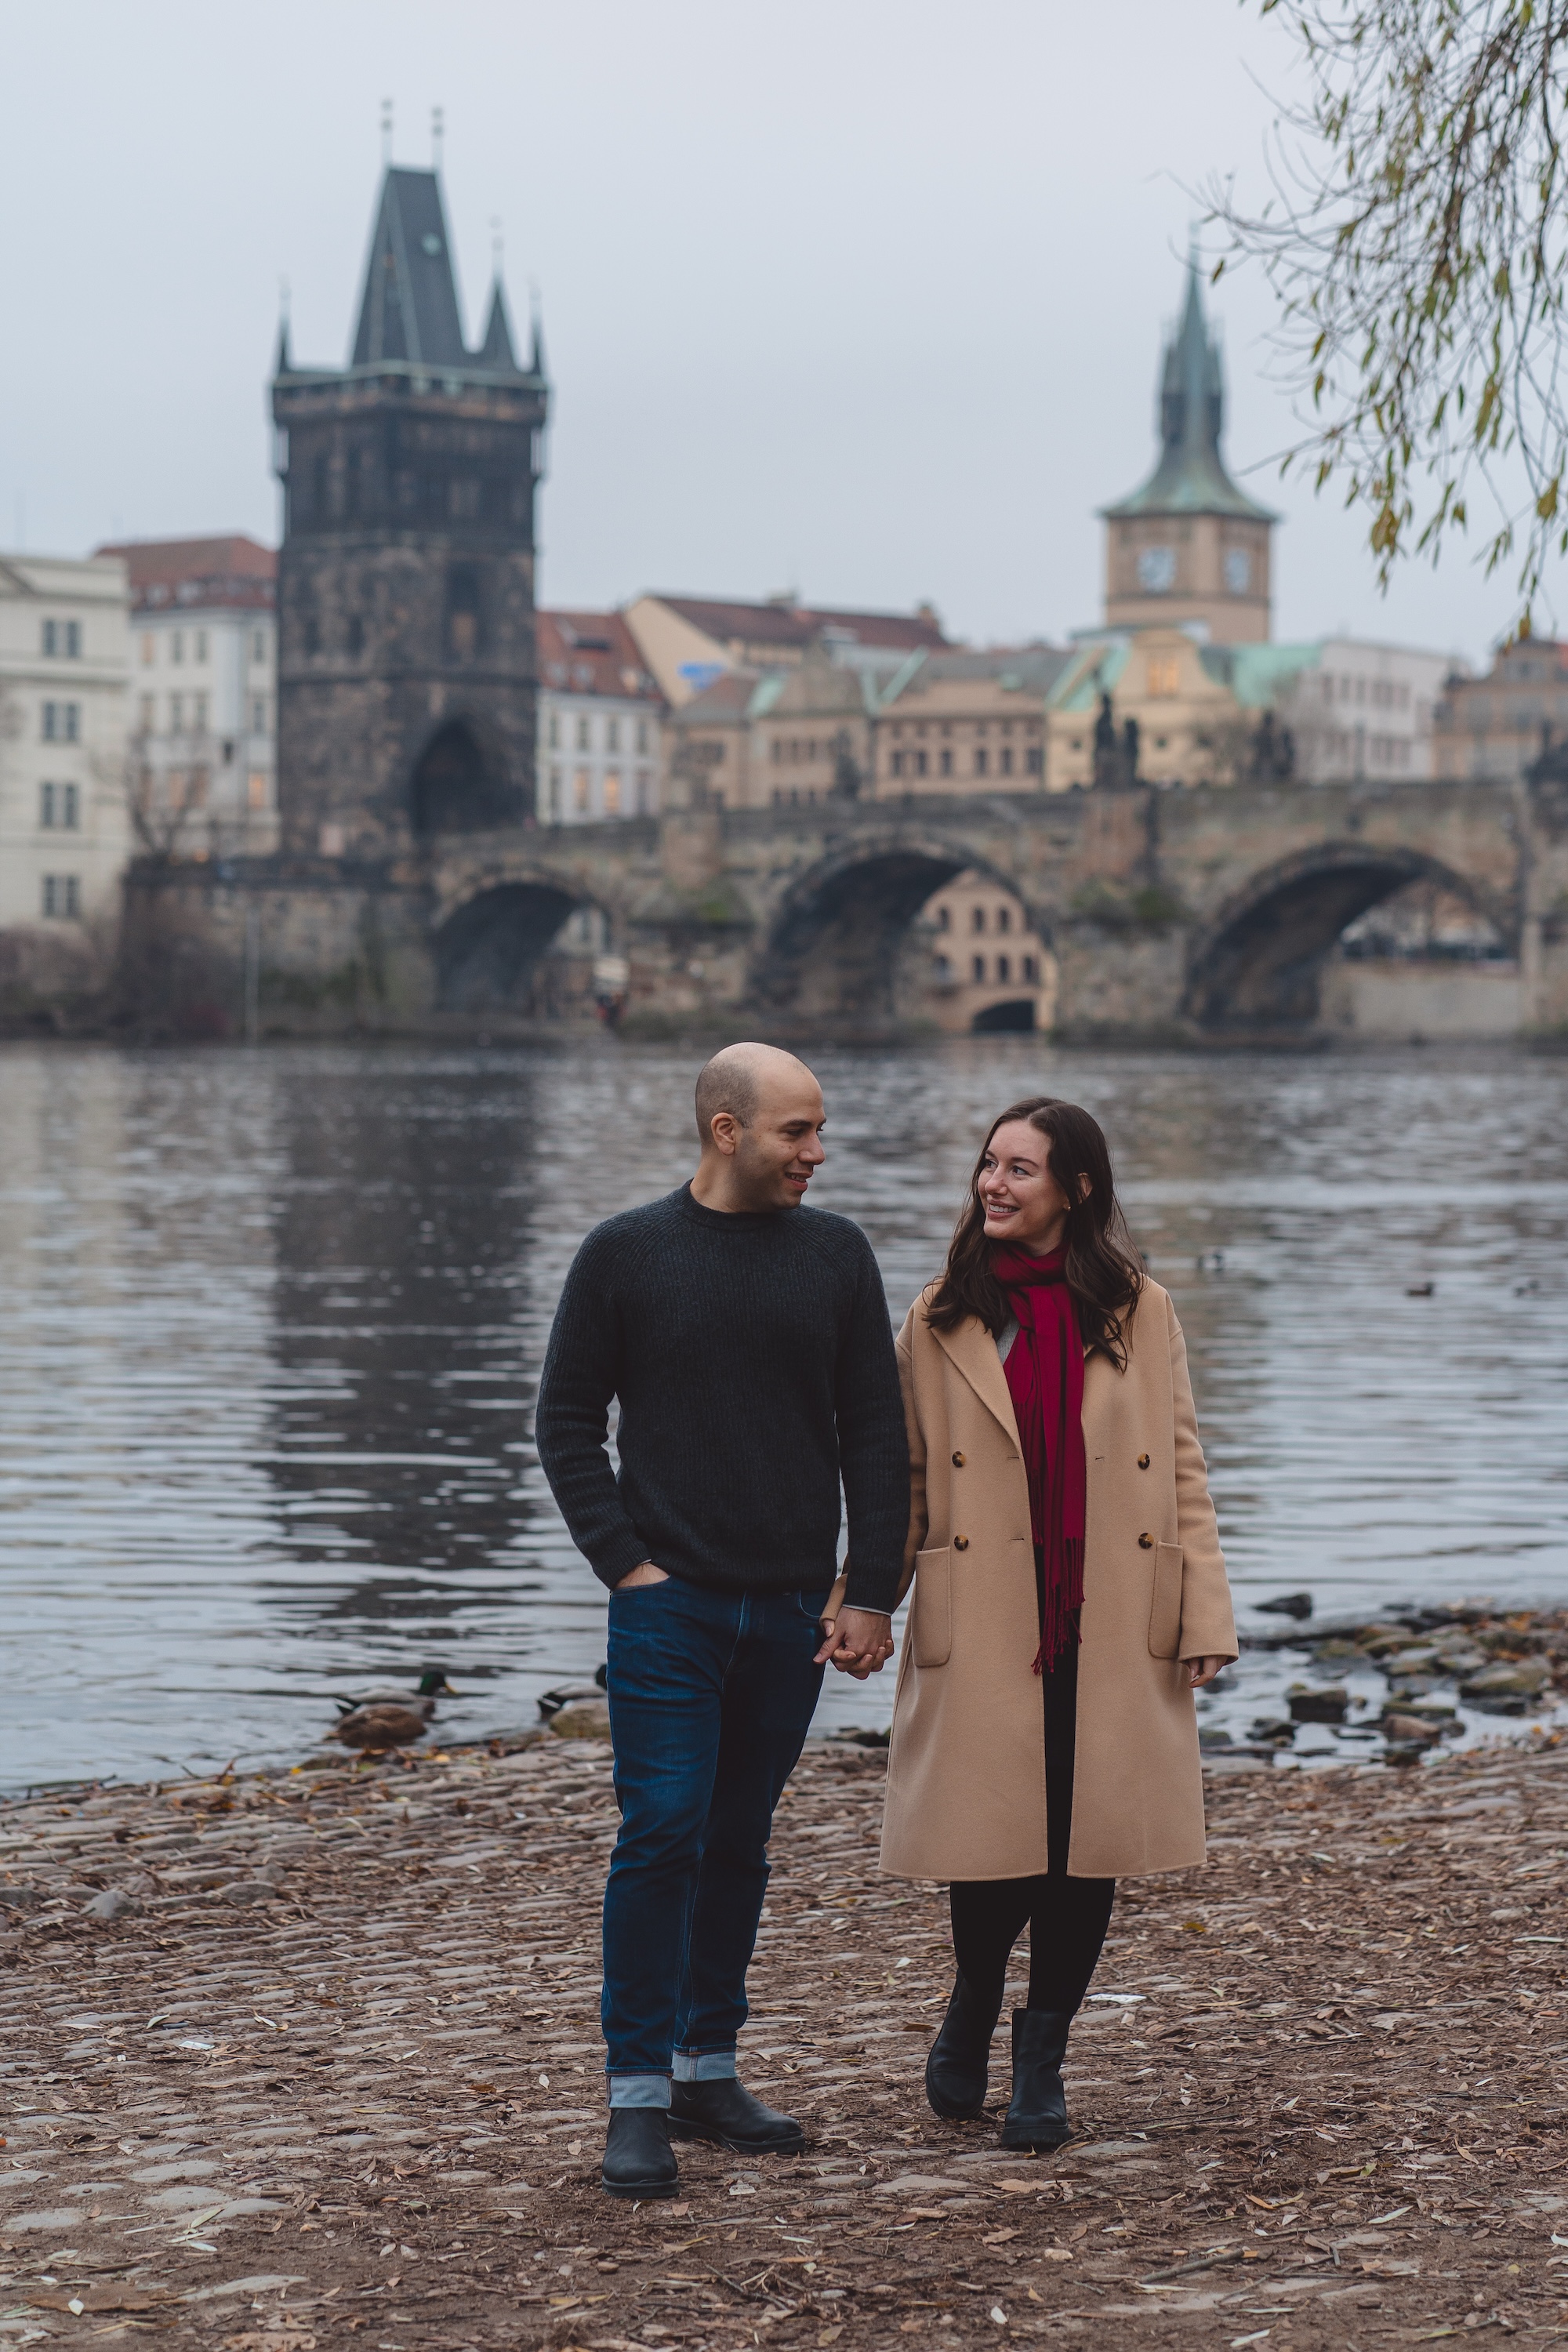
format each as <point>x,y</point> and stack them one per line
<point>1066,1918</point>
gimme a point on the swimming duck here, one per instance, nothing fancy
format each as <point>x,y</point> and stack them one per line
<point>432,1685</point>
<point>551,1702</point>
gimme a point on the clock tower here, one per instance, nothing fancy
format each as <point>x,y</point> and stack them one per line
<point>1189,546</point>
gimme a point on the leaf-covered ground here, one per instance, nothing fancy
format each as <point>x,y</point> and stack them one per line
<point>337,2080</point>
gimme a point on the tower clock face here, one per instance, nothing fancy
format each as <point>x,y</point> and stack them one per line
<point>1237,571</point>
<point>1157,569</point>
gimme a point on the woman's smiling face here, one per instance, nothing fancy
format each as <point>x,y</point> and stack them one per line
<point>1024,1204</point>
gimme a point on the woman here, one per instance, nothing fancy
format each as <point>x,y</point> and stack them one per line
<point>1070,1597</point>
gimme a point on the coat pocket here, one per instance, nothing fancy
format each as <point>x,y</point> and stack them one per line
<point>930,1614</point>
<point>1165,1609</point>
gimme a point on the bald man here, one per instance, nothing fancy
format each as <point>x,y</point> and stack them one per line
<point>747,1342</point>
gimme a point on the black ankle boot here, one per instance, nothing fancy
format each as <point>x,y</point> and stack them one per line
<point>726,2113</point>
<point>1038,2114</point>
<point>639,2158</point>
<point>956,2068</point>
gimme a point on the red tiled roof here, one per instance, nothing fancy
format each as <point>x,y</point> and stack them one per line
<point>230,570</point>
<point>591,653</point>
<point>728,620</point>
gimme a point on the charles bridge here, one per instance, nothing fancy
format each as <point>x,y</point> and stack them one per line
<point>1172,913</point>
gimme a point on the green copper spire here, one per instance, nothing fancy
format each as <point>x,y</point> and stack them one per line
<point>1190,477</point>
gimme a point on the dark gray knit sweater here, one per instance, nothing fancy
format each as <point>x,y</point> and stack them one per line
<point>753,1362</point>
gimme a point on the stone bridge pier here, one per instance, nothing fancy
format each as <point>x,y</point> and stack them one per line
<point>1173,915</point>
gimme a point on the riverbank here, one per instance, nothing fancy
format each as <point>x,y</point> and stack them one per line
<point>332,2077</point>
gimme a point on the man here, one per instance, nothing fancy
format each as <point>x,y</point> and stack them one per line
<point>748,1344</point>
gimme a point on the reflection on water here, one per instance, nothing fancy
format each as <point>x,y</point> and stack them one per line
<point>273,1321</point>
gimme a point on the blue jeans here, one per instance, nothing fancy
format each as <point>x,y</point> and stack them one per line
<point>711,1695</point>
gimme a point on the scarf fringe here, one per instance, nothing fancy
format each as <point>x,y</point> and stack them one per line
<point>1059,1628</point>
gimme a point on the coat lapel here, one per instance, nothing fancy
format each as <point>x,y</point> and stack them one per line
<point>973,1350</point>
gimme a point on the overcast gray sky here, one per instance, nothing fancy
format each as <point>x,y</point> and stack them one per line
<point>862,297</point>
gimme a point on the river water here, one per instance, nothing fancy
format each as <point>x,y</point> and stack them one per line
<point>273,1321</point>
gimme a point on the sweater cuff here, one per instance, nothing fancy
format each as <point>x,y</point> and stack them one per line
<point>619,1556</point>
<point>870,1588</point>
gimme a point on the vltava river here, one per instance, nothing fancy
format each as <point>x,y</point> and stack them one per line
<point>273,1319</point>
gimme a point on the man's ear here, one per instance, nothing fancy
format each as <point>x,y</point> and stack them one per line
<point>724,1127</point>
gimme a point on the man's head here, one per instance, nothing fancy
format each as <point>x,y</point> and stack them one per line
<point>758,1116</point>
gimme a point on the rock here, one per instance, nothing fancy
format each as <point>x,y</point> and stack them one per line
<point>1289,1604</point>
<point>1460,1657</point>
<point>1509,1678</point>
<point>114,1903</point>
<point>1430,1710</point>
<point>1327,1703</point>
<point>246,1890</point>
<point>1375,1640</point>
<point>584,1719</point>
<point>1209,1741</point>
<point>1403,1686</point>
<point>21,1898</point>
<point>1281,1731</point>
<point>1409,1661</point>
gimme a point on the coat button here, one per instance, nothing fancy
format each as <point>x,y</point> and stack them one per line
<point>1142,1461</point>
<point>960,1543</point>
<point>958,1461</point>
<point>1145,1543</point>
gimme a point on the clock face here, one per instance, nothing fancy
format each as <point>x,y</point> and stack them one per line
<point>1157,569</point>
<point>1237,571</point>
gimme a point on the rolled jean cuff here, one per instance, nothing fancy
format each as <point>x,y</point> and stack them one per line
<point>640,2090</point>
<point>704,2066</point>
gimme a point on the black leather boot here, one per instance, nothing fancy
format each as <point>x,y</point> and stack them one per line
<point>725,2113</point>
<point>1038,2114</point>
<point>639,2158</point>
<point>960,2056</point>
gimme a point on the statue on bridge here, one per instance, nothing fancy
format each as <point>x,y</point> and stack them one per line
<point>1271,755</point>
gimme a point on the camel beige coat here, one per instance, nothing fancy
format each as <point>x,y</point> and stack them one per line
<point>966,1775</point>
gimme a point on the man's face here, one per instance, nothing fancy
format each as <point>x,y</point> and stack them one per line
<point>776,1155</point>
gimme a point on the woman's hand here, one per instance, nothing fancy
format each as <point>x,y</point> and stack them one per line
<point>1202,1670</point>
<point>859,1642</point>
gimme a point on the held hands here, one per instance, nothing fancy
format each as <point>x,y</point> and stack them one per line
<point>858,1642</point>
<point>1202,1670</point>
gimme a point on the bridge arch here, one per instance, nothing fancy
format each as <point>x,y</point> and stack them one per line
<point>839,948</point>
<point>490,937</point>
<point>1256,967</point>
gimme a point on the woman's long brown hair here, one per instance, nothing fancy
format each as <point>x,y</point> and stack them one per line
<point>1104,1272</point>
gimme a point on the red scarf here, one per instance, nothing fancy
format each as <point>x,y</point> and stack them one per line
<point>1044,1380</point>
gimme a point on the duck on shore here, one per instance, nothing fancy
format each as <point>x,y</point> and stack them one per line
<point>384,1720</point>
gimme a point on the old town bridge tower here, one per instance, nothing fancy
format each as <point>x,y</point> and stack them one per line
<point>406,675</point>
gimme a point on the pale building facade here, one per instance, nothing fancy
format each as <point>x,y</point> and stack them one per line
<point>965,722</point>
<point>1189,547</point>
<point>1489,729</point>
<point>600,742</point>
<point>203,694</point>
<point>65,824</point>
<point>988,969</point>
<point>1358,709</point>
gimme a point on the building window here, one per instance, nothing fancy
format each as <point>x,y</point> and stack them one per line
<point>612,791</point>
<point>584,735</point>
<point>642,736</point>
<point>176,714</point>
<point>312,635</point>
<point>1006,759</point>
<point>944,762</point>
<point>611,734</point>
<point>62,897</point>
<point>258,714</point>
<point>177,646</point>
<point>552,732</point>
<point>645,791</point>
<point>919,763</point>
<point>201,653</point>
<point>1004,969</point>
<point>980,759</point>
<point>149,650</point>
<point>63,638</point>
<point>259,646</point>
<point>255,789</point>
<point>943,967</point>
<point>580,791</point>
<point>978,967</point>
<point>977,919</point>
<point>1031,968</point>
<point>1004,919</point>
<point>944,917</point>
<point>60,807</point>
<point>1035,759</point>
<point>62,722</point>
<point>147,721</point>
<point>199,706</point>
<point>356,634</point>
<point>897,764</point>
